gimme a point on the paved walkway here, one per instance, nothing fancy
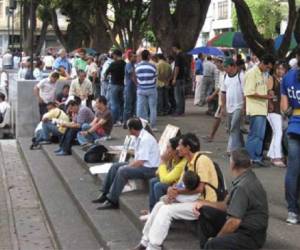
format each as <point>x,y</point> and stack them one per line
<point>23,225</point>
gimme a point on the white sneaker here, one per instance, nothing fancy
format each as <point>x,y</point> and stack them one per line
<point>292,218</point>
<point>118,124</point>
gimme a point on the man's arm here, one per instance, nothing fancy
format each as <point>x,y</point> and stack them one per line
<point>230,226</point>
<point>36,91</point>
<point>176,72</point>
<point>137,164</point>
<point>255,95</point>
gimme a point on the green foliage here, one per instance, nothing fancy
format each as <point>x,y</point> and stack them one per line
<point>267,15</point>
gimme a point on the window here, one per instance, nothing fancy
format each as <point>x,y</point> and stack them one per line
<point>223,10</point>
<point>1,9</point>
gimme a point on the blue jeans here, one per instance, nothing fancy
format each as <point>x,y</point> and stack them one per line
<point>292,174</point>
<point>116,101</point>
<point>104,88</point>
<point>179,94</point>
<point>88,138</point>
<point>129,101</point>
<point>236,139</point>
<point>118,176</point>
<point>163,100</point>
<point>48,128</point>
<point>147,101</point>
<point>68,139</point>
<point>157,190</point>
<point>254,144</point>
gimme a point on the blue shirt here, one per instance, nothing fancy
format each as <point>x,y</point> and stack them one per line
<point>62,62</point>
<point>146,75</point>
<point>290,87</point>
<point>199,67</point>
<point>128,73</point>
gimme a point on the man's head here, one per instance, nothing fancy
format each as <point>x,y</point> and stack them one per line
<point>176,48</point>
<point>51,105</point>
<point>200,56</point>
<point>82,54</point>
<point>2,97</point>
<point>117,54</point>
<point>161,57</point>
<point>219,63</point>
<point>73,107</point>
<point>66,89</point>
<point>145,55</point>
<point>101,103</point>
<point>81,75</point>
<point>54,77</point>
<point>191,180</point>
<point>62,53</point>
<point>188,144</point>
<point>266,63</point>
<point>132,57</point>
<point>134,126</point>
<point>239,160</point>
<point>230,66</point>
<point>90,59</point>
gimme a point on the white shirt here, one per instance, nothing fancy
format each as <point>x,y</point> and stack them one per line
<point>5,110</point>
<point>7,59</point>
<point>47,90</point>
<point>91,69</point>
<point>48,61</point>
<point>3,83</point>
<point>234,89</point>
<point>105,67</point>
<point>147,149</point>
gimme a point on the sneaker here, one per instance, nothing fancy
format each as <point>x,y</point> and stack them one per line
<point>118,124</point>
<point>259,164</point>
<point>292,218</point>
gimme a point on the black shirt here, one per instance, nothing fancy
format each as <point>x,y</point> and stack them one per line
<point>248,202</point>
<point>181,64</point>
<point>117,71</point>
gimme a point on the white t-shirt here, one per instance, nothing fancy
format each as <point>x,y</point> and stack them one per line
<point>48,61</point>
<point>234,89</point>
<point>147,149</point>
<point>7,59</point>
<point>47,90</point>
<point>3,83</point>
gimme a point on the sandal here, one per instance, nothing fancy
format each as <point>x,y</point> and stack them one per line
<point>278,163</point>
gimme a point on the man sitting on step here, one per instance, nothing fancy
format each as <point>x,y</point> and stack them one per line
<point>144,166</point>
<point>171,207</point>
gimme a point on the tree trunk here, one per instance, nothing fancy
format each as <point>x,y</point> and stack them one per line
<point>55,26</point>
<point>42,37</point>
<point>172,28</point>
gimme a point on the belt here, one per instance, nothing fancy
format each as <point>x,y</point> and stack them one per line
<point>296,112</point>
<point>208,76</point>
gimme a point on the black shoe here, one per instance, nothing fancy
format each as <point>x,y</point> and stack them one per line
<point>107,205</point>
<point>259,164</point>
<point>101,199</point>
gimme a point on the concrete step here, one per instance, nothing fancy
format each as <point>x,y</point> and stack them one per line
<point>112,227</point>
<point>67,225</point>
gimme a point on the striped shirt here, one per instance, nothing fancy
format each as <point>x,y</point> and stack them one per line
<point>146,75</point>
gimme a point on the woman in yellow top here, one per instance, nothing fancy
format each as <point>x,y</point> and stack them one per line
<point>168,173</point>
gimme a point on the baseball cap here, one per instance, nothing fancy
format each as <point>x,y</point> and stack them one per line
<point>228,61</point>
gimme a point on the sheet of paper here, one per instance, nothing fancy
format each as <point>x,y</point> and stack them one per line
<point>100,169</point>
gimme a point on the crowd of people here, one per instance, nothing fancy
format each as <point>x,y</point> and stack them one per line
<point>119,89</point>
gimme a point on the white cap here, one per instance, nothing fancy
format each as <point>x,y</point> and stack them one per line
<point>293,62</point>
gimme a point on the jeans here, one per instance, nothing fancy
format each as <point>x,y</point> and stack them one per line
<point>147,101</point>
<point>48,128</point>
<point>118,176</point>
<point>275,150</point>
<point>211,221</point>
<point>292,174</point>
<point>236,139</point>
<point>254,144</point>
<point>129,101</point>
<point>104,88</point>
<point>156,191</point>
<point>116,101</point>
<point>163,100</point>
<point>91,137</point>
<point>179,94</point>
<point>67,139</point>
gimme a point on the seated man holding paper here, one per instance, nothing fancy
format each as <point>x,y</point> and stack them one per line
<point>144,166</point>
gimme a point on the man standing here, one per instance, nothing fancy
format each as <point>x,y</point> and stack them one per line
<point>179,80</point>
<point>241,221</point>
<point>80,62</point>
<point>92,74</point>
<point>62,60</point>
<point>130,90</point>
<point>164,75</point>
<point>233,103</point>
<point>81,86</point>
<point>199,77</point>
<point>210,75</point>
<point>144,165</point>
<point>45,92</point>
<point>146,75</point>
<point>116,87</point>
<point>256,92</point>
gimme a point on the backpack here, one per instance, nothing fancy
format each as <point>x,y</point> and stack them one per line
<point>221,190</point>
<point>95,154</point>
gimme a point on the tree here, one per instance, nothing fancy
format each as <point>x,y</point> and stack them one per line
<point>255,39</point>
<point>178,21</point>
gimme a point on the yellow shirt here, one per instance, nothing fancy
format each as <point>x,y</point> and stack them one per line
<point>164,73</point>
<point>171,176</point>
<point>255,82</point>
<point>58,114</point>
<point>207,173</point>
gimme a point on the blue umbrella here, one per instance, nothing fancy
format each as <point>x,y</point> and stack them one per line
<point>279,40</point>
<point>207,51</point>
